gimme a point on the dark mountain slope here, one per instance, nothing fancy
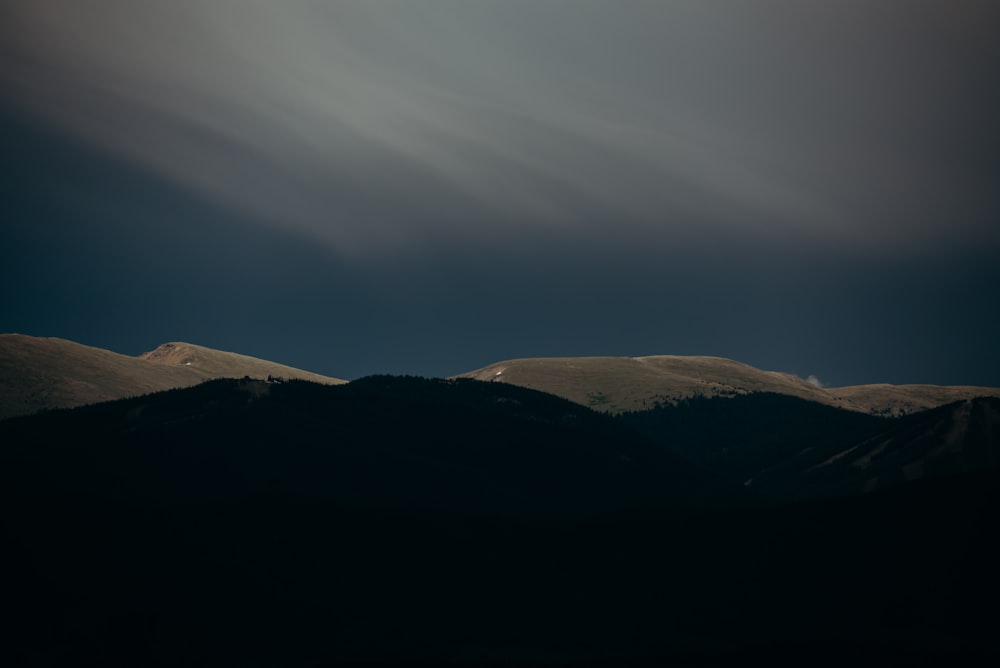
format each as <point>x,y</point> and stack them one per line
<point>895,578</point>
<point>380,442</point>
<point>255,524</point>
<point>784,447</point>
<point>743,435</point>
<point>957,438</point>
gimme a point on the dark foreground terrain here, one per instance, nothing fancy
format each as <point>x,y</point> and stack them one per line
<point>401,520</point>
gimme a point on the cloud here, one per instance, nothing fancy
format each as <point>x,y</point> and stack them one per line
<point>813,380</point>
<point>390,125</point>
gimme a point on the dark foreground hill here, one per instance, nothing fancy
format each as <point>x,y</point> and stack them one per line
<point>382,442</point>
<point>788,448</point>
<point>398,520</point>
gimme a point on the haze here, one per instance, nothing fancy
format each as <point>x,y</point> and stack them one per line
<point>430,186</point>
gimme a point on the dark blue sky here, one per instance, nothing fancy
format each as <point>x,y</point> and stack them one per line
<point>428,187</point>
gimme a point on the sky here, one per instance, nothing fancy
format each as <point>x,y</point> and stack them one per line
<point>429,186</point>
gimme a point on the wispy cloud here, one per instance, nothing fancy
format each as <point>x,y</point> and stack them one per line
<point>387,124</point>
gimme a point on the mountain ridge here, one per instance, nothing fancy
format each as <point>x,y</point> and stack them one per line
<point>621,384</point>
<point>39,373</point>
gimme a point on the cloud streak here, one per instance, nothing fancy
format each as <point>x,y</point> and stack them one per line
<point>390,125</point>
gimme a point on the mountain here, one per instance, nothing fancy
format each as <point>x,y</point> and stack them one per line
<point>219,364</point>
<point>883,399</point>
<point>41,373</point>
<point>616,384</point>
<point>411,443</point>
<point>951,439</point>
<point>255,523</point>
<point>788,448</point>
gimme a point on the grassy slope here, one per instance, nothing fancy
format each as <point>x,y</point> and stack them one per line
<point>906,399</point>
<point>219,364</point>
<point>617,384</point>
<point>40,373</point>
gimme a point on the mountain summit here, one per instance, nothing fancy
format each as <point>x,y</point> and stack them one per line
<point>619,384</point>
<point>40,373</point>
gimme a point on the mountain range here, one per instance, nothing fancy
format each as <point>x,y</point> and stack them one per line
<point>616,384</point>
<point>40,373</point>
<point>708,515</point>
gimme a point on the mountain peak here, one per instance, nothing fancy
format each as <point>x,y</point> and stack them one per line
<point>620,384</point>
<point>38,373</point>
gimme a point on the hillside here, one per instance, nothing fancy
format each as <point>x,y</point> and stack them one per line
<point>41,373</point>
<point>786,448</point>
<point>218,364</point>
<point>617,384</point>
<point>884,399</point>
<point>411,443</point>
<point>947,440</point>
<point>247,523</point>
